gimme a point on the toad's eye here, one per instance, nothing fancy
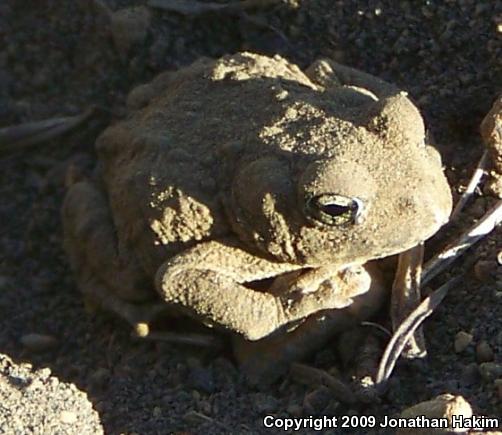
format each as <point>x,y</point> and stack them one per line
<point>333,209</point>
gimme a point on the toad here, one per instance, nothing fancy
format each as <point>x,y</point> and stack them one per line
<point>253,196</point>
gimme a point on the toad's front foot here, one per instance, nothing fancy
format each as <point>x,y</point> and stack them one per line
<point>214,280</point>
<point>263,361</point>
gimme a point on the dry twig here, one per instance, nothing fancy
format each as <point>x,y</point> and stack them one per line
<point>191,7</point>
<point>467,239</point>
<point>31,133</point>
<point>432,268</point>
<point>195,8</point>
<point>200,340</point>
<point>378,327</point>
<point>198,417</point>
<point>471,187</point>
<point>406,330</point>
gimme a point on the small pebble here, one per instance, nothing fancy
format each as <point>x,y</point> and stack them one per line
<point>141,329</point>
<point>204,406</point>
<point>224,371</point>
<point>470,374</point>
<point>264,403</point>
<point>499,258</point>
<point>484,270</point>
<point>498,339</point>
<point>462,341</point>
<point>443,406</point>
<point>39,342</point>
<point>294,410</point>
<point>68,417</point>
<point>316,401</point>
<point>157,411</point>
<point>484,352</point>
<point>4,282</point>
<point>490,370</point>
<point>498,386</point>
<point>202,379</point>
<point>99,377</point>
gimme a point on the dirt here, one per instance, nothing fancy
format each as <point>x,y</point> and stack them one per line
<point>58,58</point>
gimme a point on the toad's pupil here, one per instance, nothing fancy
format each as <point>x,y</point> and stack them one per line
<point>335,209</point>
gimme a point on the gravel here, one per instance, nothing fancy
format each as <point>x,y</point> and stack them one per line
<point>34,402</point>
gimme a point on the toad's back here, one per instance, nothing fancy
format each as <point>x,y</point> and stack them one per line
<point>166,166</point>
<point>169,168</point>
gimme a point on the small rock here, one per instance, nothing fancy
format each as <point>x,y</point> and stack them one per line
<point>39,342</point>
<point>224,371</point>
<point>129,27</point>
<point>68,417</point>
<point>4,282</point>
<point>204,406</point>
<point>141,329</point>
<point>99,377</point>
<point>470,374</point>
<point>264,403</point>
<point>294,410</point>
<point>484,270</point>
<point>462,341</point>
<point>157,411</point>
<point>498,386</point>
<point>316,401</point>
<point>201,379</point>
<point>443,406</point>
<point>491,131</point>
<point>484,352</point>
<point>490,371</point>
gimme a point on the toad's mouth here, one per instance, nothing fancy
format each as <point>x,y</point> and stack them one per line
<point>261,285</point>
<point>280,283</point>
<point>353,279</point>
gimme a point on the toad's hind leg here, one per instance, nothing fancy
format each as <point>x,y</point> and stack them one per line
<point>106,276</point>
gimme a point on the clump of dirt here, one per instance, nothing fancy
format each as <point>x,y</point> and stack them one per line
<point>35,399</point>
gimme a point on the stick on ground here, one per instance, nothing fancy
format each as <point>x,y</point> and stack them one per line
<point>17,137</point>
<point>191,7</point>
<point>467,239</point>
<point>406,330</point>
<point>471,187</point>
